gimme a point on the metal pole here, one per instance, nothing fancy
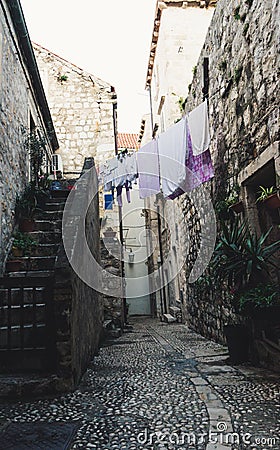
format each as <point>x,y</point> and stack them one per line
<point>124,315</point>
<point>161,260</point>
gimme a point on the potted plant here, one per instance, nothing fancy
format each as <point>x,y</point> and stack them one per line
<point>42,192</point>
<point>261,302</point>
<point>242,261</point>
<point>25,209</point>
<point>23,244</point>
<point>233,201</point>
<point>269,196</point>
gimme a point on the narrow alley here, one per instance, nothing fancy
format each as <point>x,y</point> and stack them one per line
<point>158,386</point>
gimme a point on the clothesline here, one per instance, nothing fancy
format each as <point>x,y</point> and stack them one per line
<point>177,161</point>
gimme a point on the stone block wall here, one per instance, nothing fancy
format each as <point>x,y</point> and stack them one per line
<point>17,103</point>
<point>78,307</point>
<point>242,45</point>
<point>113,306</point>
<point>81,106</point>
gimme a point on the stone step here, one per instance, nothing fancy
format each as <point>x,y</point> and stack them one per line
<point>60,193</point>
<point>49,215</point>
<point>56,200</point>
<point>48,225</point>
<point>54,206</point>
<point>169,318</point>
<point>46,237</point>
<point>45,250</point>
<point>34,263</point>
<point>32,273</point>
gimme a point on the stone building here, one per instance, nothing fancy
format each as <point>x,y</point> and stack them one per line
<point>82,107</point>
<point>241,50</point>
<point>179,32</point>
<point>236,72</point>
<point>50,319</point>
<point>23,108</point>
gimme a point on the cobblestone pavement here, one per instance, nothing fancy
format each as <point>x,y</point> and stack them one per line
<point>162,386</point>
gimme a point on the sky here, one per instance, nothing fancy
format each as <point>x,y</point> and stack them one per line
<point>110,39</point>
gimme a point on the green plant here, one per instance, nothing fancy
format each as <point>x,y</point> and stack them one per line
<point>259,297</point>
<point>237,74</point>
<point>62,78</point>
<point>24,242</point>
<point>194,71</point>
<point>265,193</point>
<point>236,13</point>
<point>241,258</point>
<point>182,103</point>
<point>26,203</point>
<point>35,143</point>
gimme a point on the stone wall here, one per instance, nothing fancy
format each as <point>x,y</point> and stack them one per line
<point>113,306</point>
<point>82,109</point>
<point>78,307</point>
<point>17,103</point>
<point>242,45</point>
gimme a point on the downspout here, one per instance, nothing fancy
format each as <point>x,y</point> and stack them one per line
<point>124,305</point>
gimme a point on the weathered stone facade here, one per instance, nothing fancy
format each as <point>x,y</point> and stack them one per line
<point>22,100</point>
<point>243,50</point>
<point>82,110</point>
<point>78,308</point>
<point>179,32</point>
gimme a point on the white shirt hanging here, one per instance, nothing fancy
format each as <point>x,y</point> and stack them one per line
<point>172,147</point>
<point>198,123</point>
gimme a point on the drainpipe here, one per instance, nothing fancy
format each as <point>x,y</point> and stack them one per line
<point>124,306</point>
<point>161,275</point>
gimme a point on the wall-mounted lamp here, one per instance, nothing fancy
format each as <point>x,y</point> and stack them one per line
<point>131,257</point>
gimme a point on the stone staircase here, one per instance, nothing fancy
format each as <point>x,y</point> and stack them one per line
<point>27,332</point>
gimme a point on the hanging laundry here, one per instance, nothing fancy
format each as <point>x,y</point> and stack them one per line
<point>124,174</point>
<point>199,168</point>
<point>148,169</point>
<point>198,123</point>
<point>131,167</point>
<point>106,173</point>
<point>172,157</point>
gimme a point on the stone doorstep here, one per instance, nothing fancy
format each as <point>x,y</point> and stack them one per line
<point>31,385</point>
<point>169,318</point>
<point>32,273</point>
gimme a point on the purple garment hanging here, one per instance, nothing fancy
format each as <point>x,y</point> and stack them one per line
<point>199,170</point>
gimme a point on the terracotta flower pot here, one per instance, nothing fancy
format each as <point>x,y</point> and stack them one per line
<point>27,225</point>
<point>13,265</point>
<point>237,207</point>
<point>17,251</point>
<point>273,201</point>
<point>237,338</point>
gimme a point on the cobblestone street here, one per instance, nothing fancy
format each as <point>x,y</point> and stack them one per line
<point>162,386</point>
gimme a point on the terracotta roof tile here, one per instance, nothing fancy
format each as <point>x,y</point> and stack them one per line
<point>128,140</point>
